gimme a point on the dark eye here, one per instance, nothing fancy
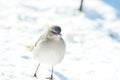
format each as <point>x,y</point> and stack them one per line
<point>57,29</point>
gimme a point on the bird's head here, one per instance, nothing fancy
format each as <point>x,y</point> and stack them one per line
<point>55,30</point>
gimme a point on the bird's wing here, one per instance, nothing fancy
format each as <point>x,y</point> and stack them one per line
<point>41,38</point>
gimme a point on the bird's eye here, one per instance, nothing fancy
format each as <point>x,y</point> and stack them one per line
<point>57,30</point>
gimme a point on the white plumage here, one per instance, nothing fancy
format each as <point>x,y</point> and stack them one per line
<point>50,48</point>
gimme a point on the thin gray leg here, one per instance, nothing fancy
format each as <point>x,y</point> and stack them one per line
<point>51,74</point>
<point>35,74</point>
<point>51,77</point>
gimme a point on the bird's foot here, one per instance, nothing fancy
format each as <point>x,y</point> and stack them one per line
<point>35,75</point>
<point>50,78</point>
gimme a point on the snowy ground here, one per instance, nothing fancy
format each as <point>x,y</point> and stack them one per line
<point>92,39</point>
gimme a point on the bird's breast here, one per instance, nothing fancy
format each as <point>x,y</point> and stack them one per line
<point>51,52</point>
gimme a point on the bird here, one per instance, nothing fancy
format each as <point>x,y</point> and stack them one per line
<point>50,48</point>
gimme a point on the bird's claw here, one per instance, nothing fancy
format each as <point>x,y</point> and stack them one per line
<point>35,76</point>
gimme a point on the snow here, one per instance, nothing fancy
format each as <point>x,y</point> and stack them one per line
<point>92,38</point>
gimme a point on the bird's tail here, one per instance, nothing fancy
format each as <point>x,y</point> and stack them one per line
<point>29,47</point>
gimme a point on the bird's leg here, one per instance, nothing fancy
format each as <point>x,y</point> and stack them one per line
<point>35,74</point>
<point>51,77</point>
<point>51,74</point>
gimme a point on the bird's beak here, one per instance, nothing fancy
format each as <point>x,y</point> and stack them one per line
<point>59,34</point>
